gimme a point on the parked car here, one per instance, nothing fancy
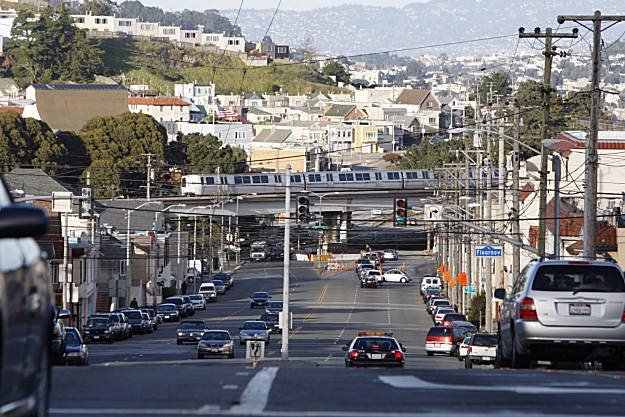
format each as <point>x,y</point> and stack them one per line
<point>215,343</point>
<point>226,277</point>
<point>437,302</point>
<point>190,331</point>
<point>208,291</point>
<point>99,329</point>
<point>482,349</point>
<point>463,348</point>
<point>153,317</point>
<point>430,281</point>
<point>451,317</point>
<point>146,323</point>
<point>135,318</point>
<point>180,305</point>
<point>440,313</point>
<point>198,302</point>
<point>259,299</point>
<point>125,325</point>
<point>169,312</point>
<point>431,292</point>
<point>395,275</point>
<point>25,301</point>
<point>254,330</point>
<point>564,309</point>
<point>76,352</point>
<point>220,287</point>
<point>57,338</point>
<point>188,305</point>
<point>113,322</point>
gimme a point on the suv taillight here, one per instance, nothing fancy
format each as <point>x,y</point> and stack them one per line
<point>527,309</point>
<point>623,318</point>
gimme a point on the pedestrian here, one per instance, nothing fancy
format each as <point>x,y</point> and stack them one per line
<point>134,303</point>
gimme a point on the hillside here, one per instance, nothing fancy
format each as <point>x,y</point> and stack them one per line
<point>352,29</point>
<point>161,65</point>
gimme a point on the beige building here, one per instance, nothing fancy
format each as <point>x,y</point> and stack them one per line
<point>70,106</point>
<point>148,29</point>
<point>366,139</point>
<point>275,160</point>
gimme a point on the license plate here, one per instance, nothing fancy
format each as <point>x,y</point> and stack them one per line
<point>214,350</point>
<point>486,358</point>
<point>96,337</point>
<point>579,309</point>
<point>376,356</point>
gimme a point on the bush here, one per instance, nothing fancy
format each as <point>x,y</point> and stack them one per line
<point>391,157</point>
<point>477,310</point>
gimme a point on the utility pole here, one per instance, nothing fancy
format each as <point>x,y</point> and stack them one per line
<point>516,227</point>
<point>556,205</point>
<point>488,214</point>
<point>287,259</point>
<point>149,173</point>
<point>549,53</point>
<point>592,159</point>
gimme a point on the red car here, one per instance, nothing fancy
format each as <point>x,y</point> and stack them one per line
<point>451,317</point>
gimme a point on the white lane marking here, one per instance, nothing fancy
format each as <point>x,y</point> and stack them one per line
<point>255,396</point>
<point>388,302</point>
<point>410,381</point>
<point>242,373</point>
<point>230,386</point>
<point>348,320</point>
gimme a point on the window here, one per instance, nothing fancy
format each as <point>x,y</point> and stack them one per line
<point>341,177</point>
<point>277,178</point>
<point>426,174</point>
<point>54,271</point>
<point>238,180</point>
<point>378,176</point>
<point>146,27</point>
<point>122,268</point>
<point>329,177</point>
<point>587,278</point>
<point>430,104</point>
<point>432,120</point>
<point>311,177</point>
<point>169,31</point>
<point>392,175</point>
<point>264,179</point>
<point>359,176</point>
<point>247,180</point>
<point>124,23</point>
<point>224,180</point>
<point>80,20</point>
<point>256,179</point>
<point>210,181</point>
<point>366,176</point>
<point>295,178</point>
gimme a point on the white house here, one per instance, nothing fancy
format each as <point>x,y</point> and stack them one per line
<point>125,25</point>
<point>90,22</point>
<point>170,32</point>
<point>163,109</point>
<point>148,29</point>
<point>198,94</point>
<point>220,40</point>
<point>237,135</point>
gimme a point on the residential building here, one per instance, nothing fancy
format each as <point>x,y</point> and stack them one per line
<point>203,95</point>
<point>256,115</point>
<point>366,139</point>
<point>70,106</point>
<point>421,103</point>
<point>163,109</point>
<point>125,25</point>
<point>170,32</point>
<point>151,29</point>
<point>9,89</point>
<point>233,134</point>
<point>343,112</point>
<point>190,36</point>
<point>220,40</point>
<point>97,23</point>
<point>255,100</point>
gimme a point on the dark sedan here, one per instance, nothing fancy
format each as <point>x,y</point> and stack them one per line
<point>226,277</point>
<point>168,312</point>
<point>76,353</point>
<point>190,331</point>
<point>98,329</point>
<point>220,287</point>
<point>135,318</point>
<point>215,343</point>
<point>259,299</point>
<point>374,349</point>
<point>272,320</point>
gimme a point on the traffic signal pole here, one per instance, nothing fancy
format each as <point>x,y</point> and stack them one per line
<point>287,258</point>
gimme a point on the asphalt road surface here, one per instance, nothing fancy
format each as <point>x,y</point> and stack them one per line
<point>151,375</point>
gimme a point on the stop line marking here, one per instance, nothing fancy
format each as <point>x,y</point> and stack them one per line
<point>412,382</point>
<point>255,396</point>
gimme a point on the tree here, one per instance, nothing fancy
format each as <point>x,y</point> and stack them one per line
<point>498,83</point>
<point>52,49</point>
<point>204,153</point>
<point>115,145</point>
<point>97,7</point>
<point>308,48</point>
<point>429,155</point>
<point>334,68</point>
<point>28,142</point>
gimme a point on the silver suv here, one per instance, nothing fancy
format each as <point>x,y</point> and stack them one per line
<point>564,311</point>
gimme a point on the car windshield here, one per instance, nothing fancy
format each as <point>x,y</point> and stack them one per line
<point>133,314</point>
<point>445,311</point>
<point>576,278</point>
<point>441,303</point>
<point>254,326</point>
<point>114,318</point>
<point>375,343</point>
<point>484,340</point>
<point>191,325</point>
<point>196,297</point>
<point>453,317</point>
<point>275,304</point>
<point>260,295</point>
<point>98,322</point>
<point>72,339</point>
<point>269,317</point>
<point>439,331</point>
<point>218,282</point>
<point>177,301</point>
<point>216,336</point>
<point>166,307</point>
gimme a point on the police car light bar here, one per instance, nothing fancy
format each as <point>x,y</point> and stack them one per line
<point>389,334</point>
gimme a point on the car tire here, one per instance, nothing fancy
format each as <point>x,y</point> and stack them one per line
<point>468,364</point>
<point>403,280</point>
<point>252,306</point>
<point>231,356</point>
<point>612,365</point>
<point>430,353</point>
<point>109,341</point>
<point>518,361</point>
<point>178,342</point>
<point>200,356</point>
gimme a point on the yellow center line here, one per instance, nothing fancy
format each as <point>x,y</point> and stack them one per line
<point>309,315</point>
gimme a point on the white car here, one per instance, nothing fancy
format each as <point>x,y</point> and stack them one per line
<point>198,301</point>
<point>482,349</point>
<point>428,281</point>
<point>463,349</point>
<point>440,314</point>
<point>208,291</point>
<point>390,255</point>
<point>396,275</point>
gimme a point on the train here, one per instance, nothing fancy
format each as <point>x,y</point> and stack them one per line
<point>275,183</point>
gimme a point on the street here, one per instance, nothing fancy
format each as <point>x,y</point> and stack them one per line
<point>151,375</point>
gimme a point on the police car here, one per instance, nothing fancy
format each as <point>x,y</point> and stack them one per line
<point>374,349</point>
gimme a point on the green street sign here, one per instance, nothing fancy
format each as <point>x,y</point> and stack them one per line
<point>320,227</point>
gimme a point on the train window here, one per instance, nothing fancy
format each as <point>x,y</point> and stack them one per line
<point>366,177</point>
<point>408,175</point>
<point>393,175</point>
<point>341,177</point>
<point>311,177</point>
<point>184,182</point>
<point>210,180</point>
<point>318,177</point>
<point>247,180</point>
<point>277,178</point>
<point>350,177</point>
<point>359,176</point>
<point>295,178</point>
<point>256,179</point>
<point>378,176</point>
<point>224,180</point>
<point>426,174</point>
<point>202,180</point>
<point>329,177</point>
<point>238,180</point>
<point>264,179</point>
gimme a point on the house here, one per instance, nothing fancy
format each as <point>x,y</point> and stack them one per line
<point>220,40</point>
<point>366,139</point>
<point>273,137</point>
<point>172,33</point>
<point>196,93</point>
<point>125,25</point>
<point>193,36</point>
<point>163,109</point>
<point>256,115</point>
<point>255,100</point>
<point>282,52</point>
<point>229,100</point>
<point>70,106</point>
<point>421,103</point>
<point>9,89</point>
<point>238,135</point>
<point>96,23</point>
<point>343,112</point>
<point>150,29</point>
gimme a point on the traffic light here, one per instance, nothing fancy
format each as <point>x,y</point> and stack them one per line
<point>303,211</point>
<point>400,212</point>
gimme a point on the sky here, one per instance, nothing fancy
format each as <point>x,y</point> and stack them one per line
<point>268,4</point>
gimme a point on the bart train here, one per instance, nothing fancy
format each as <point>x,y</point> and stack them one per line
<point>275,183</point>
